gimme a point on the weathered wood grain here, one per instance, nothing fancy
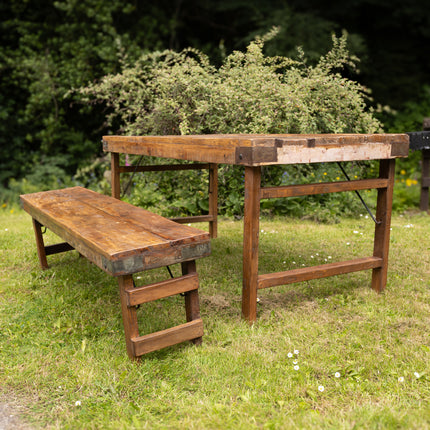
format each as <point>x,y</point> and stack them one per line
<point>250,242</point>
<point>160,290</point>
<point>264,149</point>
<point>122,239</point>
<point>322,188</point>
<point>256,150</point>
<point>317,272</point>
<point>114,235</point>
<point>171,336</point>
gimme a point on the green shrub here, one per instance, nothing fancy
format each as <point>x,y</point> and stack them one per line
<point>46,174</point>
<point>182,93</point>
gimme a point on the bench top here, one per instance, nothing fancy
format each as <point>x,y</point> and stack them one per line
<point>118,237</point>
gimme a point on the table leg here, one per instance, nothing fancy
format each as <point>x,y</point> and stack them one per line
<point>115,176</point>
<point>250,243</point>
<point>129,316</point>
<point>425,181</point>
<point>382,230</point>
<point>213,200</point>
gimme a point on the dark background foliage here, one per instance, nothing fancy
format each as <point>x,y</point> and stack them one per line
<point>49,47</point>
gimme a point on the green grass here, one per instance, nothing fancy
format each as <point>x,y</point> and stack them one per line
<point>63,358</point>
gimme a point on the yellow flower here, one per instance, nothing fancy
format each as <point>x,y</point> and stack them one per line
<point>402,172</point>
<point>3,205</point>
<point>409,182</point>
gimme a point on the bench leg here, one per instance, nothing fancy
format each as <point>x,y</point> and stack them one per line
<point>192,304</point>
<point>129,316</point>
<point>40,244</point>
<point>132,296</point>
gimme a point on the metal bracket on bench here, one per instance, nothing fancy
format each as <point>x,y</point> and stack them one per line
<point>171,275</point>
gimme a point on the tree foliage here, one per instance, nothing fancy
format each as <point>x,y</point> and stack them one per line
<point>183,93</point>
<point>49,47</point>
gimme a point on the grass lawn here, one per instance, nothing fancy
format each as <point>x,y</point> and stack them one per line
<point>327,354</point>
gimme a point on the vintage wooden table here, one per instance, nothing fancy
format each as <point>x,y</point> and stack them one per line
<point>254,151</point>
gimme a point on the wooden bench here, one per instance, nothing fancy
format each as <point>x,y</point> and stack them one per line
<point>122,240</point>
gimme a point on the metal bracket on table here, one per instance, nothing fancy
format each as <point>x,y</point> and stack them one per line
<point>132,176</point>
<point>359,196</point>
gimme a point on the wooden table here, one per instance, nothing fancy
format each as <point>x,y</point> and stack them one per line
<point>254,151</point>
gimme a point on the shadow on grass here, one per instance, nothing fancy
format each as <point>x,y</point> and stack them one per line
<point>90,304</point>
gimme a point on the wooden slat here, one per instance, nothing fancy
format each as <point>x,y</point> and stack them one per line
<point>327,187</point>
<point>129,316</point>
<point>162,167</point>
<point>316,272</point>
<point>172,336</point>
<point>328,153</point>
<point>425,182</point>
<point>113,225</point>
<point>195,218</point>
<point>160,290</point>
<point>57,248</point>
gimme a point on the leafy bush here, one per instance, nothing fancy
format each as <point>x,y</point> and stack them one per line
<point>182,93</point>
<point>46,174</point>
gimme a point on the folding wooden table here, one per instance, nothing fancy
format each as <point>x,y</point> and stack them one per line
<point>254,151</point>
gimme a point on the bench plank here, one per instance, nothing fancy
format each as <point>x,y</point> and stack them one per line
<point>116,236</point>
<point>160,290</point>
<point>171,336</point>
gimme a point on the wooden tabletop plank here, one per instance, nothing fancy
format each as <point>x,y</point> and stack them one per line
<point>264,149</point>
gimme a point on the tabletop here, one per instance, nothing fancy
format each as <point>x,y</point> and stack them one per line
<point>264,149</point>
